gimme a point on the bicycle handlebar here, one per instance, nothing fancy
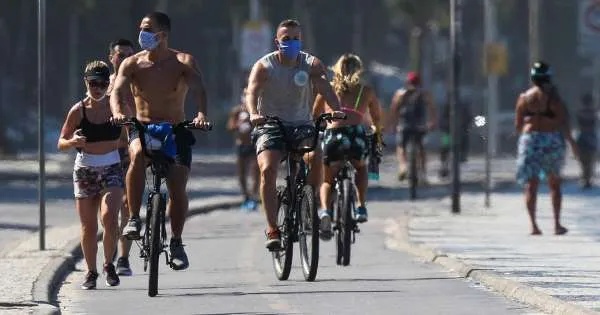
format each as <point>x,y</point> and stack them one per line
<point>188,124</point>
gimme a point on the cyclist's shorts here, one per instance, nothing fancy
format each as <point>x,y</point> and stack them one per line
<point>404,134</point>
<point>245,150</point>
<point>268,137</point>
<point>90,181</point>
<point>345,142</point>
<point>184,140</point>
<point>540,154</point>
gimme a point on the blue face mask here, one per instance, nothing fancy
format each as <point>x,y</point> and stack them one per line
<point>290,48</point>
<point>148,40</point>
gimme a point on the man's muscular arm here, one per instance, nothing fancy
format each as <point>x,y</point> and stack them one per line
<point>318,75</point>
<point>118,97</point>
<point>196,84</point>
<point>256,82</point>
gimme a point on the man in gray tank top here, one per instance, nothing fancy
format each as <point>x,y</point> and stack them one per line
<point>281,84</point>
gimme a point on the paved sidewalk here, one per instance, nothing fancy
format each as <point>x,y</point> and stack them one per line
<point>497,240</point>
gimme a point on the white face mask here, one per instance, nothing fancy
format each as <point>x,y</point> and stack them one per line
<point>96,99</point>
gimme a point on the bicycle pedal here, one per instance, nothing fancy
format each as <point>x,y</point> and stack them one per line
<point>356,229</point>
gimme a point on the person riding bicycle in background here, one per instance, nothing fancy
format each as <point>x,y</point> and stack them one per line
<point>159,78</point>
<point>347,138</point>
<point>239,124</point>
<point>412,114</point>
<point>281,84</point>
<point>97,174</point>
<point>118,51</point>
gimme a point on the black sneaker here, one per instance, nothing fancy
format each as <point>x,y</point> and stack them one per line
<point>123,268</point>
<point>133,228</point>
<point>112,279</point>
<point>90,280</point>
<point>179,259</point>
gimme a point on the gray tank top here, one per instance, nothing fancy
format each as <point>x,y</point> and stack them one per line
<point>287,93</point>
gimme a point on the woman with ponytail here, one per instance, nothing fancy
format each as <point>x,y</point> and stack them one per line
<point>347,138</point>
<point>97,174</point>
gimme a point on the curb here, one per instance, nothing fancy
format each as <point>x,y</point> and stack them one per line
<point>508,288</point>
<point>48,282</point>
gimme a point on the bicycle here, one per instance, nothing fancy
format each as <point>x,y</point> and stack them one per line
<point>345,225</point>
<point>154,239</point>
<point>297,216</point>
<point>412,146</point>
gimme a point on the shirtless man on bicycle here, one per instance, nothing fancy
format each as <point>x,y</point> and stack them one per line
<point>159,78</point>
<point>281,84</point>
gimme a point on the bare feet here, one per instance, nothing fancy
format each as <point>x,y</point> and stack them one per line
<point>560,230</point>
<point>536,231</point>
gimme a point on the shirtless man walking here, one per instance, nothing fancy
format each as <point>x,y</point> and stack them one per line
<point>159,78</point>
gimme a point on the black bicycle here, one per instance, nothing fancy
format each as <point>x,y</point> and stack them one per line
<point>344,203</point>
<point>297,216</point>
<point>154,239</point>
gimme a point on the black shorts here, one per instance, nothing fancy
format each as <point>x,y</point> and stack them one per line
<point>268,137</point>
<point>184,139</point>
<point>405,134</point>
<point>349,142</point>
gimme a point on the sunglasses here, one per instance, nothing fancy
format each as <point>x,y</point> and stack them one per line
<point>97,84</point>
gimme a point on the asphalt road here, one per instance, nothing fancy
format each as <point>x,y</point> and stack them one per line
<point>231,273</point>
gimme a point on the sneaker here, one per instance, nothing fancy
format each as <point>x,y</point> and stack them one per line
<point>273,242</point>
<point>179,259</point>
<point>325,231</point>
<point>90,280</point>
<point>123,268</point>
<point>360,214</point>
<point>133,228</point>
<point>112,279</point>
<point>253,205</point>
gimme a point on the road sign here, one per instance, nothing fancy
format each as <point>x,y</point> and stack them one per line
<point>496,59</point>
<point>256,41</point>
<point>589,27</point>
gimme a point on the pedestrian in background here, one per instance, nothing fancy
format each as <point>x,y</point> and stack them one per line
<point>587,141</point>
<point>541,120</point>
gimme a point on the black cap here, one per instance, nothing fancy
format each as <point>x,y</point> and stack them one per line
<point>100,74</point>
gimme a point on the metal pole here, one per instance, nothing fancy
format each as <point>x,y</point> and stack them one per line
<point>534,34</point>
<point>455,25</point>
<point>492,100</point>
<point>41,97</point>
<point>255,10</point>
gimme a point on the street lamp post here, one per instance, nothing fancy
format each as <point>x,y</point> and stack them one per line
<point>455,26</point>
<point>41,96</point>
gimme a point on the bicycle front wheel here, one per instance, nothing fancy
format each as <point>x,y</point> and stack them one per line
<point>158,204</point>
<point>282,259</point>
<point>309,234</point>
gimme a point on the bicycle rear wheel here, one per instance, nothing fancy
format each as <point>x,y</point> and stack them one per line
<point>413,169</point>
<point>309,234</point>
<point>282,259</point>
<point>158,204</point>
<point>345,224</point>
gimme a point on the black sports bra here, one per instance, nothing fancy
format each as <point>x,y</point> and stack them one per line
<point>97,132</point>
<point>546,113</point>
